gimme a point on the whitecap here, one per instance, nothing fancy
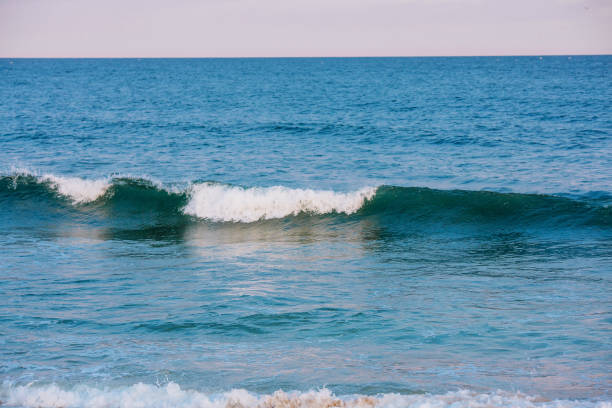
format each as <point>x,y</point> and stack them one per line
<point>77,189</point>
<point>218,202</point>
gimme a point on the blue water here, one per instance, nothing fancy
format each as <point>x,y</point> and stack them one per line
<point>207,232</point>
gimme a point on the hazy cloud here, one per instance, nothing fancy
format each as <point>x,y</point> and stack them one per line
<point>303,27</point>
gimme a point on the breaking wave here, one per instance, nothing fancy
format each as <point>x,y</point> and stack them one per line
<point>172,395</point>
<point>218,202</point>
<point>78,189</point>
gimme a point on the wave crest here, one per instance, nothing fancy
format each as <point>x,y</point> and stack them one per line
<point>77,189</point>
<point>217,202</point>
<point>172,395</point>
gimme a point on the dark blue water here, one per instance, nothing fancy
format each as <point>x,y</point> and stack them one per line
<point>355,232</point>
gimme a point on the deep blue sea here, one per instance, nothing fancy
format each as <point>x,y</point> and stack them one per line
<point>306,233</point>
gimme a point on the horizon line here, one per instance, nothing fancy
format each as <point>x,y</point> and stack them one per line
<point>321,56</point>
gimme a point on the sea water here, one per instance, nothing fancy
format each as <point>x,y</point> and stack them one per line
<point>306,233</point>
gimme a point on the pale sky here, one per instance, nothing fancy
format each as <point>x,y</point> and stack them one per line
<point>253,28</point>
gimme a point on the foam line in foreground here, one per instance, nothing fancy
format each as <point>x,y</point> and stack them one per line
<point>172,395</point>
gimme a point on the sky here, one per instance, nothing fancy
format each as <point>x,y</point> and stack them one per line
<point>294,28</point>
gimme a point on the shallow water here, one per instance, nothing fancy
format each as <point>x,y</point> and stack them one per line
<point>207,232</point>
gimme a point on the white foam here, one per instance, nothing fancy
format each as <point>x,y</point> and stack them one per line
<point>78,189</point>
<point>172,395</point>
<point>218,202</point>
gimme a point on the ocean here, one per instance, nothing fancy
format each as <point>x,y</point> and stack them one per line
<point>306,233</point>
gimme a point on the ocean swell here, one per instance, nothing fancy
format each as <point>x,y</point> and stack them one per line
<point>217,202</point>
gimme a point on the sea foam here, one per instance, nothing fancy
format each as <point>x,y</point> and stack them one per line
<point>77,189</point>
<point>218,202</point>
<point>172,395</point>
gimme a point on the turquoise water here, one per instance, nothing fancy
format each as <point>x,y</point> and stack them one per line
<point>354,232</point>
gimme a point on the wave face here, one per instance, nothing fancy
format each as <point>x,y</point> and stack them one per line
<point>172,395</point>
<point>226,203</point>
